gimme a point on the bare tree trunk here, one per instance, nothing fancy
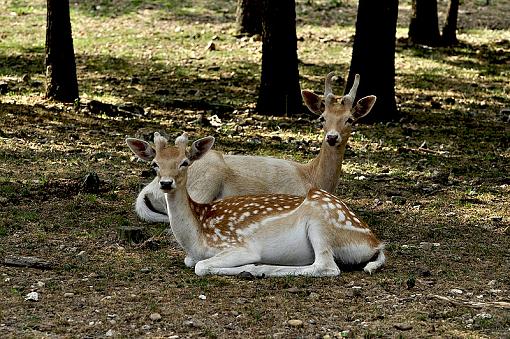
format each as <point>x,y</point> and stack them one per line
<point>424,25</point>
<point>449,37</point>
<point>61,81</point>
<point>279,92</point>
<point>373,57</point>
<point>249,17</point>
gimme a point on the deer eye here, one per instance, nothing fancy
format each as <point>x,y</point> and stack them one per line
<point>322,120</point>
<point>154,167</point>
<point>184,163</point>
<point>349,121</point>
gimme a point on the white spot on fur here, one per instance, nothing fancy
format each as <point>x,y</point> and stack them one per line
<point>341,216</point>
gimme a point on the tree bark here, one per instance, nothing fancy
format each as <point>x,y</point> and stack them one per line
<point>279,92</point>
<point>424,25</point>
<point>373,57</point>
<point>61,81</point>
<point>449,36</point>
<point>248,17</point>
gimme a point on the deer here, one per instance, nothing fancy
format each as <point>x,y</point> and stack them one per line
<point>216,175</point>
<point>264,235</point>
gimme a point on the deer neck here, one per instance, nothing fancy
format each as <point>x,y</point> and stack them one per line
<point>325,170</point>
<point>183,221</point>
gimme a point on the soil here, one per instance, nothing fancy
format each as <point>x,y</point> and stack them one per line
<point>435,186</point>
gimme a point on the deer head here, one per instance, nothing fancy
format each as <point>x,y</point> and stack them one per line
<point>339,113</point>
<point>171,162</point>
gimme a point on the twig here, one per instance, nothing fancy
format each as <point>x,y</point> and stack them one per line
<point>156,237</point>
<point>473,304</point>
<point>33,262</point>
<point>403,149</point>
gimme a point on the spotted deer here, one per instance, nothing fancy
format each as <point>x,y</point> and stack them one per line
<point>216,176</point>
<point>264,235</point>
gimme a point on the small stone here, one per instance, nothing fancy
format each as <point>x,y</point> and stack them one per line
<point>426,245</point>
<point>294,290</point>
<point>211,46</point>
<point>146,327</point>
<point>91,183</point>
<point>483,316</point>
<point>355,291</point>
<point>403,326</point>
<point>110,333</point>
<point>32,296</point>
<point>314,296</point>
<point>193,323</point>
<point>202,297</point>
<point>456,291</point>
<point>411,282</point>
<point>155,316</point>
<point>4,88</point>
<point>295,323</point>
<point>398,200</point>
<point>83,256</point>
<point>68,295</point>
<point>246,275</point>
<point>40,284</point>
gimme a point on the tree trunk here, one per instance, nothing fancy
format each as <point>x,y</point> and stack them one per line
<point>373,57</point>
<point>424,25</point>
<point>449,37</point>
<point>61,82</point>
<point>248,17</point>
<point>279,92</point>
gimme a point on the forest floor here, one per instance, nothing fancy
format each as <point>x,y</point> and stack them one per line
<point>435,185</point>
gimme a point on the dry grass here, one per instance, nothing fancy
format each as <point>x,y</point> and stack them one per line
<point>443,212</point>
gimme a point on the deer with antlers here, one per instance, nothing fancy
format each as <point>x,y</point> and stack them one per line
<point>264,235</point>
<point>216,176</point>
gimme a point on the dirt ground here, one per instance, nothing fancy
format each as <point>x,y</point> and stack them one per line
<point>435,186</point>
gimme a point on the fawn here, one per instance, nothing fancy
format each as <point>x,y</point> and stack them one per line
<point>264,235</point>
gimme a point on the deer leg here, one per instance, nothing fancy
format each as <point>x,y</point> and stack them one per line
<point>323,265</point>
<point>233,262</point>
<point>227,262</point>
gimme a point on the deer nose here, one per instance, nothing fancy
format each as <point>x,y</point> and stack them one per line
<point>332,139</point>
<point>166,184</point>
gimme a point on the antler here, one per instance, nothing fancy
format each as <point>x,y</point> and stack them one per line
<point>182,140</point>
<point>354,89</point>
<point>160,141</point>
<point>327,84</point>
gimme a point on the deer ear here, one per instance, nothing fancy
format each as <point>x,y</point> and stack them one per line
<point>201,147</point>
<point>363,107</point>
<point>142,149</point>
<point>312,101</point>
